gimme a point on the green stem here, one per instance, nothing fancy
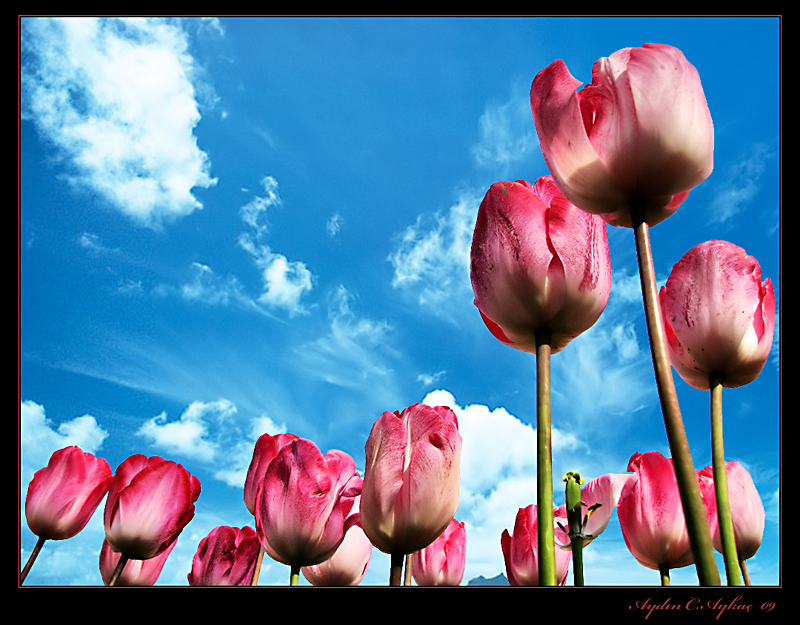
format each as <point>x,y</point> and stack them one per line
<point>726,535</point>
<point>574,506</point>
<point>544,464</point>
<point>396,570</point>
<point>294,576</point>
<point>123,560</point>
<point>26,569</point>
<point>663,570</point>
<point>577,561</point>
<point>693,508</point>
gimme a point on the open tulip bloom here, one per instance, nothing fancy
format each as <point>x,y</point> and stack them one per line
<point>629,147</point>
<point>304,503</point>
<point>541,274</point>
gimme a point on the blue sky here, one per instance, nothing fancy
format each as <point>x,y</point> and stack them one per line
<point>238,226</point>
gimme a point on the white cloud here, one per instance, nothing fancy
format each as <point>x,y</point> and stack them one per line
<point>40,439</point>
<point>432,256</point>
<point>353,351</point>
<point>740,185</point>
<point>117,97</point>
<point>507,132</point>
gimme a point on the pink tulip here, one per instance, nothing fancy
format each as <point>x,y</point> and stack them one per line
<point>651,517</point>
<point>226,557</point>
<point>520,549</point>
<point>411,478</point>
<point>63,496</point>
<point>150,502</point>
<point>538,263</point>
<point>304,503</point>
<point>640,133</point>
<point>348,564</point>
<point>719,316</point>
<point>266,448</point>
<point>442,562</point>
<point>609,491</point>
<point>135,572</point>
<point>747,510</point>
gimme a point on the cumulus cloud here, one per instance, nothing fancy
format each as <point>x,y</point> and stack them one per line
<point>40,437</point>
<point>431,259</point>
<point>213,434</point>
<point>117,97</point>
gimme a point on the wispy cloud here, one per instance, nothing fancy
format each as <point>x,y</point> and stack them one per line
<point>740,184</point>
<point>431,259</point>
<point>506,132</point>
<point>117,97</point>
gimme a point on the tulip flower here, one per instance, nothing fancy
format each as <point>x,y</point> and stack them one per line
<point>136,572</point>
<point>411,480</point>
<point>629,147</point>
<point>639,135</point>
<point>719,315</point>
<point>538,264</point>
<point>541,275</point>
<point>442,562</point>
<point>303,505</point>
<point>226,557</point>
<point>266,448</point>
<point>149,503</point>
<point>720,320</point>
<point>652,517</point>
<point>747,513</point>
<point>348,564</point>
<point>63,496</point>
<point>521,550</point>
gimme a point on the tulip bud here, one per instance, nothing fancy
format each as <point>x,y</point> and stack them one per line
<point>639,135</point>
<point>442,562</point>
<point>411,478</point>
<point>63,495</point>
<point>538,264</point>
<point>149,503</point>
<point>136,572</point>
<point>521,550</point>
<point>719,315</point>
<point>226,557</point>
<point>652,520</point>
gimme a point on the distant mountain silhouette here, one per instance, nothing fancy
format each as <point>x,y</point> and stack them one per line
<point>497,580</point>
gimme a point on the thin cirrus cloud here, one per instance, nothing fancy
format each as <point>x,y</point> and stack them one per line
<point>117,98</point>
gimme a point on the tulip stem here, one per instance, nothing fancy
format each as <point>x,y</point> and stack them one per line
<point>123,560</point>
<point>26,569</point>
<point>663,570</point>
<point>257,569</point>
<point>745,574</point>
<point>544,464</point>
<point>294,575</point>
<point>396,570</point>
<point>693,508</point>
<point>726,534</point>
